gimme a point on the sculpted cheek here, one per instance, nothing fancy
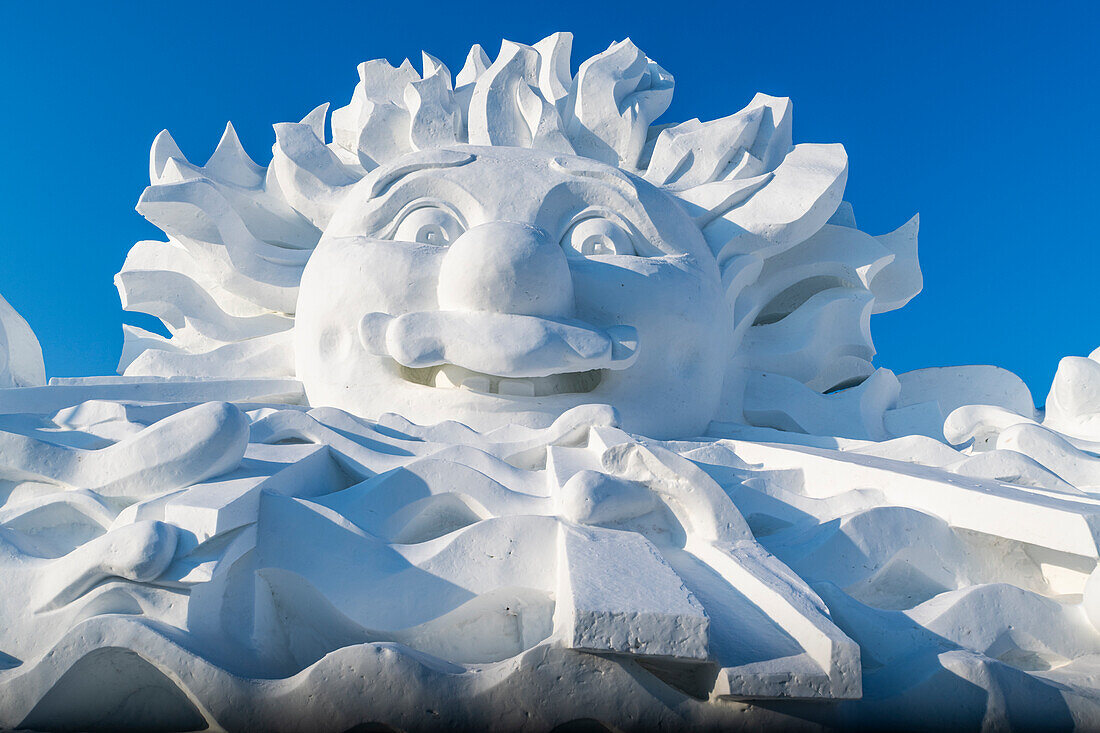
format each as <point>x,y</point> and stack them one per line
<point>606,288</point>
<point>662,291</point>
<point>681,317</point>
<point>397,277</point>
<point>333,344</point>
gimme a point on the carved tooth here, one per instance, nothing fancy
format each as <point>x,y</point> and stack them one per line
<point>443,381</point>
<point>546,386</point>
<point>517,387</point>
<point>476,384</point>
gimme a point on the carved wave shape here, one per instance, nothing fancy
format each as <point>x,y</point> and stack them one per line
<point>263,572</point>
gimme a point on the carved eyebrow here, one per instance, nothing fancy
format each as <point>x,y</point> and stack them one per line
<point>579,167</point>
<point>389,175</point>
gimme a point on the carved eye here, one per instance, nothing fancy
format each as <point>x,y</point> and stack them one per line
<point>429,225</point>
<point>596,235</point>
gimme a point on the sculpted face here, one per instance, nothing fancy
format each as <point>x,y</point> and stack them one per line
<point>503,244</point>
<point>497,285</point>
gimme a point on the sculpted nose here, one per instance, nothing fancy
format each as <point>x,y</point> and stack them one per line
<point>506,267</point>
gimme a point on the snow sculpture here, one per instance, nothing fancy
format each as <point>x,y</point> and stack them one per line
<point>509,408</point>
<point>656,268</point>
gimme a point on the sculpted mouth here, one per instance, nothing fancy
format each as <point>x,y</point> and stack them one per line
<point>451,376</point>
<point>498,353</point>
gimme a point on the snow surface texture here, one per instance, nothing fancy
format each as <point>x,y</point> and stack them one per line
<point>509,409</point>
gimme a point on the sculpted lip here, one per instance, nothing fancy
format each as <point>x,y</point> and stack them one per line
<point>451,376</point>
<point>499,354</point>
<point>502,344</point>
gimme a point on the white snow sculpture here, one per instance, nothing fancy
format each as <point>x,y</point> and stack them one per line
<point>20,355</point>
<point>656,268</point>
<point>509,409</point>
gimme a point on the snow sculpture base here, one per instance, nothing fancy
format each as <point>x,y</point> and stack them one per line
<point>291,539</point>
<point>561,574</point>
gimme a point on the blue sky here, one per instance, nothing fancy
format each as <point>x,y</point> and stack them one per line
<point>981,116</point>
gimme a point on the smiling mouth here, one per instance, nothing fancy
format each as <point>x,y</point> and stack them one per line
<point>451,376</point>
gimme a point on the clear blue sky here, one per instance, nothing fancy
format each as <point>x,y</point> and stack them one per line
<point>981,116</point>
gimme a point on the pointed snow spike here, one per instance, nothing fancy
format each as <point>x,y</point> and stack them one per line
<point>436,120</point>
<point>615,97</point>
<point>316,120</point>
<point>175,170</point>
<point>477,61</point>
<point>164,148</point>
<point>407,66</point>
<point>901,280</point>
<point>507,106</point>
<point>433,66</point>
<point>230,162</point>
<point>227,144</point>
<point>774,140</point>
<point>379,81</point>
<point>555,76</point>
